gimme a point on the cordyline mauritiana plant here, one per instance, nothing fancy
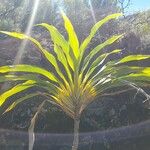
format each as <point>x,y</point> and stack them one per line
<point>82,82</point>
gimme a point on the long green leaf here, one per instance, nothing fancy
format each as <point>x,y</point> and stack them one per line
<point>133,58</point>
<point>16,89</point>
<point>73,39</point>
<point>138,75</point>
<point>52,88</point>
<point>61,57</point>
<point>20,100</point>
<point>48,55</point>
<point>97,62</point>
<point>97,49</point>
<point>59,40</point>
<point>5,78</point>
<point>117,72</point>
<point>95,29</point>
<point>30,69</point>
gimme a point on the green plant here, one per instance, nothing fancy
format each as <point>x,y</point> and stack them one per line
<point>80,81</point>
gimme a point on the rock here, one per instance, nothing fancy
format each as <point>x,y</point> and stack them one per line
<point>10,47</point>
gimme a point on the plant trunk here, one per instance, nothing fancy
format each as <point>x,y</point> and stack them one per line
<point>76,134</point>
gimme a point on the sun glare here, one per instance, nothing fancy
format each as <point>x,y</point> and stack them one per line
<point>27,31</point>
<point>93,14</point>
<point>92,11</point>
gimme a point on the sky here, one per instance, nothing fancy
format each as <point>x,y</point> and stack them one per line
<point>138,5</point>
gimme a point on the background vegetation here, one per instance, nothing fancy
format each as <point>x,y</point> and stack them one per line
<point>117,111</point>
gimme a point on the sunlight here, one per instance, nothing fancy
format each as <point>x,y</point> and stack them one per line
<point>93,14</point>
<point>92,11</point>
<point>27,31</point>
<point>99,67</point>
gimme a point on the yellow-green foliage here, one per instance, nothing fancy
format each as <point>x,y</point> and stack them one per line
<point>81,82</point>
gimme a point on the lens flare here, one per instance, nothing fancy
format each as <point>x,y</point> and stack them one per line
<point>92,11</point>
<point>93,14</point>
<point>27,31</point>
<point>24,42</point>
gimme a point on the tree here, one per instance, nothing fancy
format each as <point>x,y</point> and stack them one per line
<point>78,77</point>
<point>139,24</point>
<point>14,15</point>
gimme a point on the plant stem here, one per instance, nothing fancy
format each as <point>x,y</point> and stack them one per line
<point>76,134</point>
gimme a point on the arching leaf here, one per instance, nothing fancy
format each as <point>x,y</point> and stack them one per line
<point>59,40</point>
<point>47,54</point>
<point>20,100</point>
<point>95,28</point>
<point>16,89</point>
<point>133,58</point>
<point>98,48</point>
<point>97,62</point>
<point>62,59</point>
<point>30,69</point>
<point>73,39</point>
